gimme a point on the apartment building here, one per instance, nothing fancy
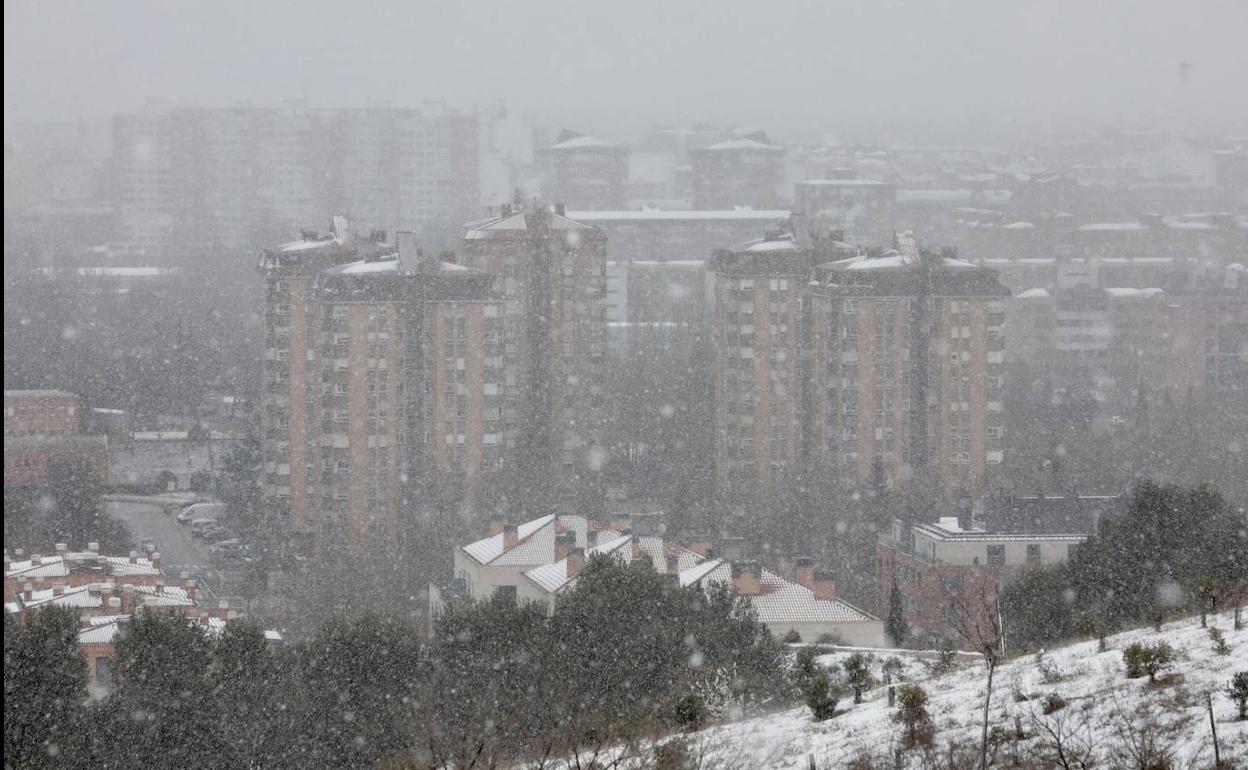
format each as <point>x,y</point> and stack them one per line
<point>756,290</point>
<point>906,357</point>
<point>381,384</point>
<point>236,178</point>
<point>585,172</point>
<point>43,427</point>
<point>550,282</point>
<point>738,172</point>
<point>859,210</point>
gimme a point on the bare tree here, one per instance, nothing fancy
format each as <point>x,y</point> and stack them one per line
<point>977,618</point>
<point>1063,740</point>
<point>1145,739</point>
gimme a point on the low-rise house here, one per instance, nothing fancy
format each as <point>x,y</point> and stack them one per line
<point>945,569</point>
<point>540,560</point>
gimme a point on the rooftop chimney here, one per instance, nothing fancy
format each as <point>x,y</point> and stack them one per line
<point>511,535</point>
<point>564,542</point>
<point>497,521</point>
<point>28,591</point>
<point>561,209</point>
<point>377,236</point>
<point>804,572</point>
<point>824,584</point>
<point>747,578</point>
<point>506,210</point>
<point>591,538</point>
<point>114,602</point>
<point>35,559</point>
<point>576,560</point>
<point>673,564</point>
<point>93,547</point>
<point>61,547</point>
<point>409,252</point>
<point>155,559</point>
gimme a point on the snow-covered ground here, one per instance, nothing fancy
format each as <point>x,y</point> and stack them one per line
<point>1101,704</point>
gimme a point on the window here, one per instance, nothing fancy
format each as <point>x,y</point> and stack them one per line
<point>951,585</point>
<point>996,555</point>
<point>1033,554</point>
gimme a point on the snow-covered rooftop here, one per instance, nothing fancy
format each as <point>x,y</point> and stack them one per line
<point>662,215</point>
<point>781,601</point>
<point>744,144</point>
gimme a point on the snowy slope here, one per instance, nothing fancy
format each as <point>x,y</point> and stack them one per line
<point>1101,701</point>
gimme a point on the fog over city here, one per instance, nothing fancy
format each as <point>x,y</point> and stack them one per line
<point>806,65</point>
<point>639,385</point>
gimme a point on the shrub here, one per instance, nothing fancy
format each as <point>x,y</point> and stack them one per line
<point>804,667</point>
<point>1219,641</point>
<point>202,481</point>
<point>833,639</point>
<point>1238,692</point>
<point>1150,659</point>
<point>858,675</point>
<point>673,755</point>
<point>821,695</point>
<point>691,713</point>
<point>912,712</point>
<point>946,657</point>
<point>1051,703</point>
<point>792,637</point>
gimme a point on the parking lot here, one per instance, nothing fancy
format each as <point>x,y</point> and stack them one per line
<point>179,552</point>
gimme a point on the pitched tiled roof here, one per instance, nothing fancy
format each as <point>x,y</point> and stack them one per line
<point>60,565</point>
<point>781,601</point>
<point>490,548</point>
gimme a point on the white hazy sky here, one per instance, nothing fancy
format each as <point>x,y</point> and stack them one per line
<point>614,66</point>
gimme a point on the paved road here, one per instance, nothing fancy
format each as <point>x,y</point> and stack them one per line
<point>178,550</point>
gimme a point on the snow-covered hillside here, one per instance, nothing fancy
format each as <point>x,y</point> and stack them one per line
<point>1104,709</point>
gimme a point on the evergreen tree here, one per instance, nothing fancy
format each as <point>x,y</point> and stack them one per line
<point>858,675</point>
<point>895,624</point>
<point>361,686</point>
<point>45,683</point>
<point>162,707</point>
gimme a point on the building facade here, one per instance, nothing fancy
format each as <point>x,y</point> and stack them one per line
<point>381,388</point>
<point>585,172</point>
<point>738,172</point>
<point>756,322</point>
<point>906,354</point>
<point>551,285</point>
<point>948,576</point>
<point>236,178</point>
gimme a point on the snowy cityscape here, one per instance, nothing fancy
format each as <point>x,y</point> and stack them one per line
<point>623,385</point>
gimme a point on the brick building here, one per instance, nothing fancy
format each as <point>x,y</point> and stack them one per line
<point>906,356</point>
<point>382,385</point>
<point>41,428</point>
<point>943,568</point>
<point>585,172</point>
<point>738,172</point>
<point>551,285</point>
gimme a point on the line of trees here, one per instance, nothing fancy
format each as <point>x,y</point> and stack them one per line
<point>1172,550</point>
<point>625,656</point>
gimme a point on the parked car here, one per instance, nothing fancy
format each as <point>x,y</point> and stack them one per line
<point>201,511</point>
<point>203,528</point>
